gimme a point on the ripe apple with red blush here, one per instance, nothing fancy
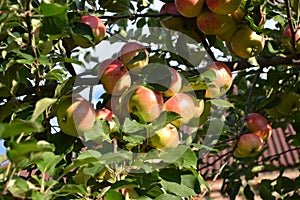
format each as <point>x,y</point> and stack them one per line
<point>108,115</point>
<point>259,126</point>
<point>287,38</point>
<point>189,8</point>
<point>98,29</point>
<point>223,7</point>
<point>176,82</point>
<point>176,23</point>
<point>114,76</point>
<point>248,145</point>
<point>134,56</point>
<point>182,104</point>
<point>146,103</point>
<point>165,137</point>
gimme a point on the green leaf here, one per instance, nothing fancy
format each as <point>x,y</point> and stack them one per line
<point>18,127</point>
<point>73,189</point>
<point>41,106</point>
<point>48,162</point>
<point>52,9</point>
<point>172,154</point>
<point>222,103</point>
<point>132,126</point>
<point>113,195</point>
<point>187,160</point>
<point>167,197</point>
<point>56,74</point>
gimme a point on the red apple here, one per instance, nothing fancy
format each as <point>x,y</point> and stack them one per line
<point>75,115</point>
<point>165,137</point>
<point>130,53</point>
<point>222,82</point>
<point>258,125</point>
<point>97,27</point>
<point>212,23</point>
<point>108,115</point>
<point>176,82</point>
<point>146,103</point>
<point>223,7</point>
<point>171,22</point>
<point>247,43</point>
<point>189,8</point>
<point>182,104</point>
<point>248,145</point>
<point>287,38</point>
<point>114,76</point>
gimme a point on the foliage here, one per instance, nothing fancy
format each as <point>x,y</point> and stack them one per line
<point>40,64</point>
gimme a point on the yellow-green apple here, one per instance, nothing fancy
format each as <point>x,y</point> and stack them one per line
<point>247,43</point>
<point>287,38</point>
<point>223,7</point>
<point>98,30</point>
<point>259,126</point>
<point>189,8</point>
<point>165,137</point>
<point>146,103</point>
<point>175,85</point>
<point>106,114</point>
<point>134,56</point>
<point>75,115</point>
<point>228,34</point>
<point>114,76</point>
<point>182,104</point>
<point>223,81</point>
<point>248,145</point>
<point>171,22</point>
<point>212,23</point>
<point>289,103</point>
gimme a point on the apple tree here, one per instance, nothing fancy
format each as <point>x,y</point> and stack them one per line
<point>128,99</point>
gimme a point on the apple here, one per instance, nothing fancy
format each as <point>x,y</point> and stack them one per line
<point>248,145</point>
<point>259,126</point>
<point>239,14</point>
<point>175,85</point>
<point>114,76</point>
<point>223,7</point>
<point>287,38</point>
<point>189,8</point>
<point>170,22</point>
<point>212,23</point>
<point>98,30</point>
<point>199,110</point>
<point>165,137</point>
<point>75,115</point>
<point>182,104</point>
<point>289,103</point>
<point>246,43</point>
<point>134,56</point>
<point>222,82</point>
<point>146,103</point>
<point>108,115</point>
<point>232,28</point>
<point>118,105</point>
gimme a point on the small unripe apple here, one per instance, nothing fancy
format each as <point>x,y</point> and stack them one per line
<point>165,137</point>
<point>114,76</point>
<point>287,38</point>
<point>134,56</point>
<point>146,103</point>
<point>246,43</point>
<point>212,23</point>
<point>182,104</point>
<point>108,115</point>
<point>222,82</point>
<point>248,145</point>
<point>170,22</point>
<point>259,126</point>
<point>176,82</point>
<point>189,8</point>
<point>223,7</point>
<point>289,103</point>
<point>75,115</point>
<point>97,27</point>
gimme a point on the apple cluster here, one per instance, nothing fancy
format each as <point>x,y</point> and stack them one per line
<point>130,96</point>
<point>251,143</point>
<point>222,18</point>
